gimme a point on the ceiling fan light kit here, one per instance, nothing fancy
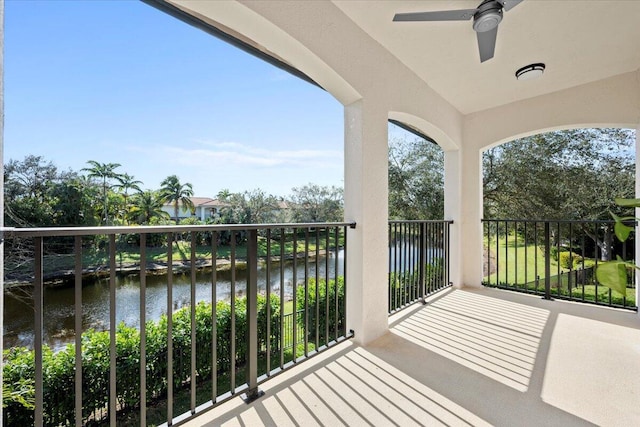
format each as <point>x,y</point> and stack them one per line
<point>486,18</point>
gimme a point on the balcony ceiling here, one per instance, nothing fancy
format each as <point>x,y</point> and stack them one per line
<point>429,74</point>
<point>579,41</point>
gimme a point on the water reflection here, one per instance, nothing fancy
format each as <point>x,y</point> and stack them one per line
<point>59,302</point>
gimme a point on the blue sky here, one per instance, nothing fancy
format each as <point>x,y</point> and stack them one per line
<point>119,81</point>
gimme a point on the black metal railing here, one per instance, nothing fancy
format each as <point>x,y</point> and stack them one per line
<point>556,259</point>
<point>258,299</point>
<point>418,260</point>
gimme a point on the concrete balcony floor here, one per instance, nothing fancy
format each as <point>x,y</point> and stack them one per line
<point>469,357</point>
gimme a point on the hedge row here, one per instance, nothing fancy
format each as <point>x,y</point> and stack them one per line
<point>326,299</point>
<point>404,287</point>
<point>59,368</point>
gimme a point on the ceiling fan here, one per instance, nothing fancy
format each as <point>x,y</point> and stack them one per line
<point>486,18</point>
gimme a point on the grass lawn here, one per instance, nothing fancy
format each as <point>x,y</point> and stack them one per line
<point>517,262</point>
<point>517,267</point>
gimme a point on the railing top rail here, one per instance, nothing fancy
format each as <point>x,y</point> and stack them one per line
<point>92,231</point>
<point>420,221</point>
<point>560,221</point>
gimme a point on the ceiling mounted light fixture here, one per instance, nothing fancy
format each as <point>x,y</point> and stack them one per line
<point>530,71</point>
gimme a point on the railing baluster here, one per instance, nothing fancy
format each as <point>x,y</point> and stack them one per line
<point>306,292</point>
<point>192,265</point>
<point>38,302</point>
<point>487,227</point>
<point>515,245</point>
<point>571,255</point>
<point>497,253</point>
<point>391,275</point>
<point>526,258</point>
<point>506,254</point>
<point>547,260</point>
<point>344,276</point>
<point>317,296</point>
<point>558,245</point>
<point>597,234</point>
<point>170,329</point>
<point>423,256</point>
<point>112,332</point>
<point>232,296</point>
<point>448,253</point>
<point>252,317</point>
<point>143,331</point>
<point>535,256</point>
<point>624,257</point>
<point>283,240</point>
<point>335,274</point>
<point>78,329</point>
<point>326,288</point>
<point>416,261</point>
<point>295,295</point>
<point>268,302</point>
<point>214,316</point>
<point>405,269</point>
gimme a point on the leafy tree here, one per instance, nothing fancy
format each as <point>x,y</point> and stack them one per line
<point>224,194</point>
<point>31,192</point>
<point>104,172</point>
<point>73,202</point>
<point>571,174</point>
<point>127,182</point>
<point>146,206</point>
<point>314,203</point>
<point>563,175</point>
<point>29,178</point>
<point>416,179</point>
<point>250,207</point>
<point>174,192</point>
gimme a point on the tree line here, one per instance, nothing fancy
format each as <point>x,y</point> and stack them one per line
<point>570,174</point>
<point>38,194</point>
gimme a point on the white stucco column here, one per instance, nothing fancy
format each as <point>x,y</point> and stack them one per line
<point>463,205</point>
<point>366,203</point>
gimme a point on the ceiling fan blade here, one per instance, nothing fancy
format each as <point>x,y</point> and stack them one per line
<point>445,15</point>
<point>507,5</point>
<point>487,43</point>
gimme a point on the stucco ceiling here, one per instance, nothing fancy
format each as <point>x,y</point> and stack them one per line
<point>579,41</point>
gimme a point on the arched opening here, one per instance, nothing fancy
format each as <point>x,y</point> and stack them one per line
<point>416,175</point>
<point>548,205</point>
<point>150,100</point>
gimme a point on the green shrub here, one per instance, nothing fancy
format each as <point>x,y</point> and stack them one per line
<point>555,252</point>
<point>59,368</point>
<point>18,375</point>
<point>405,286</point>
<point>326,299</point>
<point>568,259</point>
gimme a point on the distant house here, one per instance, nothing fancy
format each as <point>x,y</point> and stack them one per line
<point>204,208</point>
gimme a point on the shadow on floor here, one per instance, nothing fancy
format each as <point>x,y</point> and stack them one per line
<point>484,357</point>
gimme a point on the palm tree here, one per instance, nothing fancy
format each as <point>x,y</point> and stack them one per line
<point>104,171</point>
<point>127,182</point>
<point>174,192</point>
<point>146,206</point>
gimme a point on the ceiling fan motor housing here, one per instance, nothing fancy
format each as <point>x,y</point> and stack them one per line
<point>488,16</point>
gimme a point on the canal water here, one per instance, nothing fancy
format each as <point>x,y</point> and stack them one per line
<point>59,301</point>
